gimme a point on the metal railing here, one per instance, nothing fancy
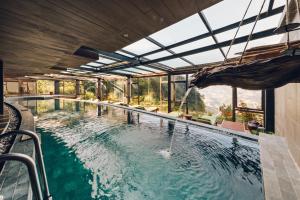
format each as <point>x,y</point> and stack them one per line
<point>29,162</point>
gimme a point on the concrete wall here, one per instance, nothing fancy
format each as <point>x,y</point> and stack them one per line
<point>287,116</point>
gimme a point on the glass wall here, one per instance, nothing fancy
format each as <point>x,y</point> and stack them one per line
<point>14,88</point>
<point>11,88</point>
<point>45,87</point>
<point>249,106</point>
<point>67,87</point>
<point>114,90</point>
<point>150,92</point>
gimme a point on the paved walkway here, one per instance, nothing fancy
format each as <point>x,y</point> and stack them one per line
<point>281,174</point>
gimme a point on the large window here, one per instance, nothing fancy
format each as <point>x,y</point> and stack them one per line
<point>45,87</point>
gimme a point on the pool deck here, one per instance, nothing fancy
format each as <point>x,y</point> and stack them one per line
<point>281,174</point>
<point>14,179</point>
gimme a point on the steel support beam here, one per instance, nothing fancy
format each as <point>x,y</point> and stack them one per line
<point>56,87</point>
<point>99,89</point>
<point>169,93</point>
<point>128,90</point>
<point>271,4</point>
<point>161,67</point>
<point>234,103</point>
<point>269,110</point>
<point>1,89</point>
<point>168,50</point>
<point>186,88</point>
<point>138,90</point>
<point>77,88</point>
<point>208,27</point>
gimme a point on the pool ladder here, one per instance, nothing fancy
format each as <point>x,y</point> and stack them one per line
<point>30,164</point>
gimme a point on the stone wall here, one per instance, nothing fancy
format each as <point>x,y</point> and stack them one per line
<point>287,116</point>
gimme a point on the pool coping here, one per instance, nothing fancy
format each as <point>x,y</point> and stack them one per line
<point>18,187</point>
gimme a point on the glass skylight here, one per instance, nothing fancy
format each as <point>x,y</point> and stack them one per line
<point>87,67</point>
<point>194,45</point>
<point>105,60</point>
<point>140,47</point>
<point>234,11</point>
<point>193,26</point>
<point>124,72</point>
<point>150,69</point>
<point>95,64</point>
<point>174,63</point>
<point>124,54</point>
<point>137,70</point>
<point>206,57</point>
<point>158,55</point>
<point>182,30</point>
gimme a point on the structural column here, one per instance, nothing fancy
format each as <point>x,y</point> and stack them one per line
<point>20,87</point>
<point>128,90</point>
<point>77,88</point>
<point>186,88</point>
<point>138,91</point>
<point>56,86</point>
<point>1,89</point>
<point>99,89</point>
<point>234,103</point>
<point>269,111</point>
<point>169,94</point>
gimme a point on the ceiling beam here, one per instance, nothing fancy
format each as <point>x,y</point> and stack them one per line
<point>208,27</point>
<point>168,50</point>
<point>271,4</point>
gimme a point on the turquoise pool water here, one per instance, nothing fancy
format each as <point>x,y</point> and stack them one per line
<point>100,152</point>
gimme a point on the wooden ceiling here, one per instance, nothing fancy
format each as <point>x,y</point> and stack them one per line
<point>37,35</point>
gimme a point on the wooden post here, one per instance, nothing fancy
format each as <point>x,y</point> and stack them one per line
<point>169,94</point>
<point>270,110</point>
<point>128,89</point>
<point>234,103</point>
<point>1,89</point>
<point>56,87</point>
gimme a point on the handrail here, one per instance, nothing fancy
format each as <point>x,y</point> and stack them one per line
<point>30,164</point>
<point>40,160</point>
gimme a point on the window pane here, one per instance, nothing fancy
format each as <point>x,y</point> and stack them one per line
<point>194,45</point>
<point>182,30</point>
<point>150,69</point>
<point>124,54</point>
<point>206,57</point>
<point>234,11</point>
<point>95,64</point>
<point>105,60</point>
<point>176,62</point>
<point>140,47</point>
<point>249,98</point>
<point>158,55</point>
<point>137,70</point>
